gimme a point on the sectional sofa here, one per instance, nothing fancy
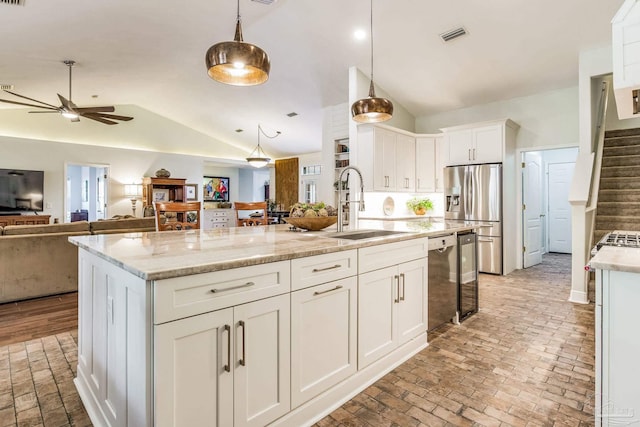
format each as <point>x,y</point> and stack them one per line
<point>38,260</point>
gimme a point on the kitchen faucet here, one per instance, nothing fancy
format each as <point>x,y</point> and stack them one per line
<point>360,202</point>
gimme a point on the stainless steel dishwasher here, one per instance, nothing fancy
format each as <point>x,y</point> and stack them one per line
<point>442,293</point>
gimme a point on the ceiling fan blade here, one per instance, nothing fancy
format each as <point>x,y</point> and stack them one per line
<point>109,109</point>
<point>29,105</point>
<point>30,99</point>
<point>100,119</point>
<point>43,112</point>
<point>108,116</point>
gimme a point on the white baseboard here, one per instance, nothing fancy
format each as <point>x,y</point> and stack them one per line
<point>578,297</point>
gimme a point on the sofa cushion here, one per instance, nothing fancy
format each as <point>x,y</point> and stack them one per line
<point>72,227</point>
<point>127,225</point>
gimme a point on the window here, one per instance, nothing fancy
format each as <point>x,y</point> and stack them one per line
<point>312,170</point>
<point>309,191</point>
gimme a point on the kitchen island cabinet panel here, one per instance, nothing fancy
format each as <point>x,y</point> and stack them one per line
<point>412,305</point>
<point>323,337</point>
<point>193,387</point>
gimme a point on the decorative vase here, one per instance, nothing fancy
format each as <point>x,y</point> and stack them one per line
<point>163,173</point>
<point>420,211</point>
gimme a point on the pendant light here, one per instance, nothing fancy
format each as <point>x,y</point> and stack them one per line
<point>372,109</point>
<point>258,158</point>
<point>238,63</point>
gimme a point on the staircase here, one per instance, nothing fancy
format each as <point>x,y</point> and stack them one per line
<point>619,194</point>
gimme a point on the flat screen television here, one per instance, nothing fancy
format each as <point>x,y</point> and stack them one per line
<point>21,190</point>
<point>215,189</point>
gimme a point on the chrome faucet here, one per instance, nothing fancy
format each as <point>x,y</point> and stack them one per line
<point>360,202</point>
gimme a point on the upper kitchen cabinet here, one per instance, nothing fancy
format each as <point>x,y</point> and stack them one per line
<point>429,163</point>
<point>386,158</point>
<point>476,143</point>
<point>625,49</point>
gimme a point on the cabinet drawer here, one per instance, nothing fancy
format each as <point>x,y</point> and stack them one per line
<point>385,255</point>
<point>181,297</point>
<point>318,269</point>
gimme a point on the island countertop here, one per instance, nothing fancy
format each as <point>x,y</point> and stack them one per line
<point>617,258</point>
<point>162,255</point>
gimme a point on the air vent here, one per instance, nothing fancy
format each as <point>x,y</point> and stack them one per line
<point>6,87</point>
<point>13,2</point>
<point>292,114</point>
<point>239,130</point>
<point>453,34</point>
<point>264,1</point>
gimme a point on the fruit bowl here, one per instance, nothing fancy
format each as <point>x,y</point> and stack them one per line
<point>312,223</point>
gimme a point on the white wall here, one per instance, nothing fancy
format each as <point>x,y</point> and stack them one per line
<point>126,166</point>
<point>546,120</point>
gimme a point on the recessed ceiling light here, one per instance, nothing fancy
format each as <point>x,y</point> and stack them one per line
<point>360,34</point>
<point>239,130</point>
<point>292,114</point>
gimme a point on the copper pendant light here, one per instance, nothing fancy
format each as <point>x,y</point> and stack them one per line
<point>238,63</point>
<point>372,109</point>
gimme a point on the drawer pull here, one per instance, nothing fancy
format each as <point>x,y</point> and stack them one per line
<point>227,329</point>
<point>318,270</point>
<point>403,289</point>
<point>486,240</point>
<point>246,285</point>
<point>242,361</point>
<point>328,290</point>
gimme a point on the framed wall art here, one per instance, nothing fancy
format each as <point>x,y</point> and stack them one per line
<point>192,192</point>
<point>215,189</point>
<point>160,195</point>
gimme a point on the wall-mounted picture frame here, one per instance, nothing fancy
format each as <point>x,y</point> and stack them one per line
<point>160,195</point>
<point>215,189</point>
<point>192,192</point>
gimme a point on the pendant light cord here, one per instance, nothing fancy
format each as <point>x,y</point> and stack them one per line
<point>260,131</point>
<point>371,36</point>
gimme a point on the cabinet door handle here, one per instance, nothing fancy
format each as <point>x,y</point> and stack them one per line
<point>397,279</point>
<point>402,277</point>
<point>246,285</point>
<point>328,290</point>
<point>418,182</point>
<point>227,329</point>
<point>474,154</point>
<point>242,361</point>
<point>318,270</point>
<point>386,181</point>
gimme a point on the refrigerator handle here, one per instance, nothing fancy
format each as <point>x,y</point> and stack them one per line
<point>468,192</point>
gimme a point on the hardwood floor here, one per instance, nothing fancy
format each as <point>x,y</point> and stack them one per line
<point>36,318</point>
<point>526,359</point>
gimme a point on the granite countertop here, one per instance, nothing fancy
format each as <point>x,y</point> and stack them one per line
<point>617,258</point>
<point>162,255</point>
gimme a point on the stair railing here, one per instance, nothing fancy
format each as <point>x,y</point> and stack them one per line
<point>584,200</point>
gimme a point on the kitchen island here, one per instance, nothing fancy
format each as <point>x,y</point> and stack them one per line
<point>617,345</point>
<point>245,326</point>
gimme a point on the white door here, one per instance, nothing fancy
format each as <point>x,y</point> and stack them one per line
<point>405,163</point>
<point>377,301</point>
<point>194,371</point>
<point>412,307</point>
<point>560,175</point>
<point>262,361</point>
<point>323,337</point>
<point>532,209</point>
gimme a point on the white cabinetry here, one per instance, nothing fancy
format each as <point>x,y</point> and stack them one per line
<point>323,337</point>
<point>217,218</point>
<point>227,367</point>
<point>429,163</point>
<point>386,155</point>
<point>477,145</point>
<point>617,348</point>
<point>392,303</point>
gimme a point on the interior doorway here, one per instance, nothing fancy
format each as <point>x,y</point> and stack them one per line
<point>86,192</point>
<point>546,214</point>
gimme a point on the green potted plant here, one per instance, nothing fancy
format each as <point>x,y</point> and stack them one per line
<point>420,205</point>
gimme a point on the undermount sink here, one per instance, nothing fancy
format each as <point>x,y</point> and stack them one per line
<point>363,234</point>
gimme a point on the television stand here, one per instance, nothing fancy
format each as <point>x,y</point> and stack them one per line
<point>13,219</point>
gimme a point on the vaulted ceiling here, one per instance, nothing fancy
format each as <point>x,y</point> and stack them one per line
<point>150,54</point>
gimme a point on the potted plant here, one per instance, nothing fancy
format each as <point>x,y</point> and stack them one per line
<point>420,205</point>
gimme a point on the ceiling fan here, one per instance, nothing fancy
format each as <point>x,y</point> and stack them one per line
<point>70,110</point>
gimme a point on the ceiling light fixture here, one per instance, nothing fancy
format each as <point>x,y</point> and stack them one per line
<point>238,63</point>
<point>258,158</point>
<point>372,109</point>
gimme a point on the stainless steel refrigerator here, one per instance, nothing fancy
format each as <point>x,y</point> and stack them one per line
<point>473,194</point>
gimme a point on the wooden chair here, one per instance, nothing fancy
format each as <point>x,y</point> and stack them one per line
<point>255,207</point>
<point>177,216</point>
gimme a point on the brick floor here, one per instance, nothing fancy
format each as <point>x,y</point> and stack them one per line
<point>526,359</point>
